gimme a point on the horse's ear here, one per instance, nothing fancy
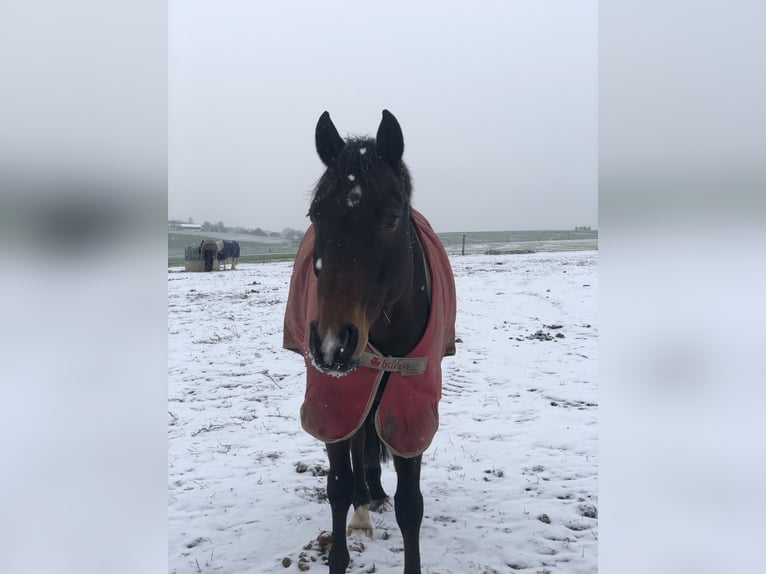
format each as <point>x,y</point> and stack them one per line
<point>389,141</point>
<point>328,141</point>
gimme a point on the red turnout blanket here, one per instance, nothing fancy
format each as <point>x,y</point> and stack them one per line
<point>335,407</point>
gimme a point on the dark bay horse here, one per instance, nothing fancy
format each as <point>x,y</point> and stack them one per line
<point>372,310</point>
<point>208,249</point>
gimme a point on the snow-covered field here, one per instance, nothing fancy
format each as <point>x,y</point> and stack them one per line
<point>509,483</point>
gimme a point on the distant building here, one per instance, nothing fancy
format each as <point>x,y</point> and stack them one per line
<point>178,225</point>
<point>582,228</point>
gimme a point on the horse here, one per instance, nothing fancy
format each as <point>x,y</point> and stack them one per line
<point>227,249</point>
<point>371,308</point>
<point>208,249</point>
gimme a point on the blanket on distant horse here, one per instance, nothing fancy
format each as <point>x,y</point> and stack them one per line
<point>230,249</point>
<point>335,407</point>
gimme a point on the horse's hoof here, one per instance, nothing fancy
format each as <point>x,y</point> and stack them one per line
<point>360,522</point>
<point>367,530</point>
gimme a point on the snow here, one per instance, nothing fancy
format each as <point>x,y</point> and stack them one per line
<point>509,483</point>
<point>354,196</point>
<point>351,177</point>
<point>362,151</point>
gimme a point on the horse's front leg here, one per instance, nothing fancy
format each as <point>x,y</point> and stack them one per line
<point>408,506</point>
<point>340,486</point>
<point>374,452</point>
<point>360,521</point>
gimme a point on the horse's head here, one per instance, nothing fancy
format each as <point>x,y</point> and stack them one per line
<point>362,250</point>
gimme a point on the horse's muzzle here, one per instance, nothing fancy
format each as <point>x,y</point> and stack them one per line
<point>333,353</point>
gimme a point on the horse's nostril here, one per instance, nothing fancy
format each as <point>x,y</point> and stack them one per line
<point>349,338</point>
<point>314,341</point>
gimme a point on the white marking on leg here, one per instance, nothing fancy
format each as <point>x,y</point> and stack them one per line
<point>360,522</point>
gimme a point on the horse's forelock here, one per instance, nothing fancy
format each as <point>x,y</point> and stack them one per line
<point>359,160</point>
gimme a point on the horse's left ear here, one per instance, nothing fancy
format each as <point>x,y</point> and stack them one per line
<point>389,140</point>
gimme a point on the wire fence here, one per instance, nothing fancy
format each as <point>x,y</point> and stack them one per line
<point>509,242</point>
<point>468,243</point>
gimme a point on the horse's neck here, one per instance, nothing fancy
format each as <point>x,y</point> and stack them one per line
<point>401,325</point>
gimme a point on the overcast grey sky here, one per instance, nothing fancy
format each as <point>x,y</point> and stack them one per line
<point>497,101</point>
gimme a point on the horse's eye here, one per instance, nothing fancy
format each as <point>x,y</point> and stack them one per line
<point>391,221</point>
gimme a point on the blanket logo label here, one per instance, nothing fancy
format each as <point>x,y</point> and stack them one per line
<point>404,365</point>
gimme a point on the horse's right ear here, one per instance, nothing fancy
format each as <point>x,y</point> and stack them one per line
<point>328,141</point>
<point>389,140</point>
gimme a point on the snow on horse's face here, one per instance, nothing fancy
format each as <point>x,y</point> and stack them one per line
<point>362,252</point>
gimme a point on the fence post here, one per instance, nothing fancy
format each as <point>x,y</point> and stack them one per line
<point>463,243</point>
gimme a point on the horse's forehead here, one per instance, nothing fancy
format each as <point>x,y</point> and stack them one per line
<point>368,181</point>
<point>350,195</point>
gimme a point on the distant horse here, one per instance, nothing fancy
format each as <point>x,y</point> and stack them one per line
<point>208,249</point>
<point>228,249</point>
<point>372,310</point>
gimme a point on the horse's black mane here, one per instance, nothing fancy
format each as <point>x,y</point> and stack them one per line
<point>359,158</point>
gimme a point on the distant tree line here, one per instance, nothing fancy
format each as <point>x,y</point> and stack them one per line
<point>219,227</point>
